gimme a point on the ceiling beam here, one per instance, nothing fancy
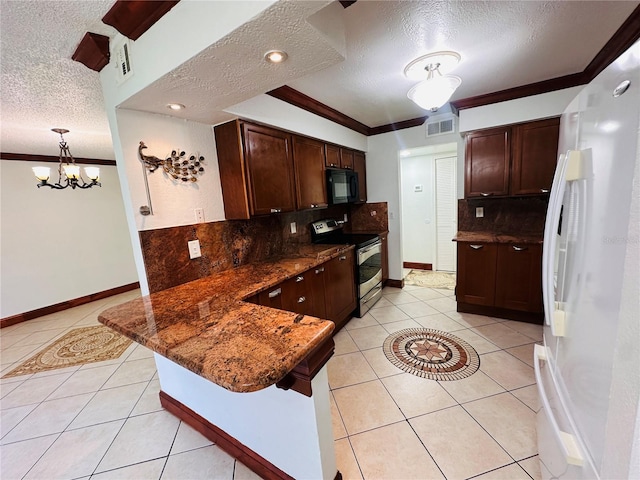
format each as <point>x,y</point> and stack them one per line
<point>92,51</point>
<point>134,17</point>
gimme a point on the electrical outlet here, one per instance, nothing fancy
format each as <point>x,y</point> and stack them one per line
<point>391,215</point>
<point>479,212</point>
<point>293,227</point>
<point>346,218</point>
<point>194,249</point>
<point>199,215</point>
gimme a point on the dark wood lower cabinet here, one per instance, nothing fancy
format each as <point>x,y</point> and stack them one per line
<point>326,291</point>
<point>340,288</point>
<point>500,279</point>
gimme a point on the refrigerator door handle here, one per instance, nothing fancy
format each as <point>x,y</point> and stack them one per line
<point>569,445</point>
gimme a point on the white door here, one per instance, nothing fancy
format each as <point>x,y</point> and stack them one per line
<point>446,213</point>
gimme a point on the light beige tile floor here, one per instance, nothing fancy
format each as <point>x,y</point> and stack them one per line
<point>104,420</point>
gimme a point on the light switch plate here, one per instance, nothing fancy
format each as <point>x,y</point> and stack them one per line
<point>479,212</point>
<point>194,249</point>
<point>293,227</point>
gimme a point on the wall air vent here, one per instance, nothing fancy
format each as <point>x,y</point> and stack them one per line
<point>441,125</point>
<point>122,57</point>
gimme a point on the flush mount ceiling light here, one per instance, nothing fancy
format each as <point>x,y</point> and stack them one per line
<point>436,88</point>
<point>67,164</point>
<point>275,56</point>
<point>176,106</point>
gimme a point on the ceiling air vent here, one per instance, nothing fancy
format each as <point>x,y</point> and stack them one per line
<point>441,126</point>
<point>122,56</point>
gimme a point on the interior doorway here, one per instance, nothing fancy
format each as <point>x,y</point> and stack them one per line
<point>429,208</point>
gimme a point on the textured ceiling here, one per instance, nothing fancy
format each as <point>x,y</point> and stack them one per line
<point>503,45</point>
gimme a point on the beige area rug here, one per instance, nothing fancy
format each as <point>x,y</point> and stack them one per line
<point>431,279</point>
<point>79,346</point>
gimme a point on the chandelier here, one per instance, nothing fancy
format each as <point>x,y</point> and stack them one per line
<point>72,176</point>
<point>436,89</point>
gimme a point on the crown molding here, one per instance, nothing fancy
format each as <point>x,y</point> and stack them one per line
<point>625,36</point>
<point>299,99</point>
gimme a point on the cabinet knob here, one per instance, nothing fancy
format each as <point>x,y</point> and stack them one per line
<point>276,210</point>
<point>301,299</point>
<point>544,190</point>
<point>486,194</point>
<point>275,293</point>
<point>344,257</point>
<point>476,247</point>
<point>299,279</point>
<point>319,270</point>
<point>519,249</point>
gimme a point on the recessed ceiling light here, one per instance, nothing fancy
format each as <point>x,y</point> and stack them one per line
<point>176,106</point>
<point>275,56</point>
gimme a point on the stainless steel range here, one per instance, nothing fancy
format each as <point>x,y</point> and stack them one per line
<point>368,267</point>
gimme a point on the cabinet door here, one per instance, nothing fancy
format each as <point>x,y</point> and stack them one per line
<point>270,169</point>
<point>359,166</point>
<point>332,156</point>
<point>487,157</point>
<point>535,155</point>
<point>296,294</point>
<point>308,158</point>
<point>476,274</point>
<point>385,257</point>
<point>346,158</point>
<point>340,287</point>
<point>519,277</point>
<point>316,281</point>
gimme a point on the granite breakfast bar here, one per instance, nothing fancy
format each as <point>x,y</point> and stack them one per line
<point>251,378</point>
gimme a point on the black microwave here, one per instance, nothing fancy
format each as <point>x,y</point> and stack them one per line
<point>342,186</point>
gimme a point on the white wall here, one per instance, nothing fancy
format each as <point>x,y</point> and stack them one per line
<point>173,201</point>
<point>383,178</point>
<point>59,245</point>
<point>545,105</point>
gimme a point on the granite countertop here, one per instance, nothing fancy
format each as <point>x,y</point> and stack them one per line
<point>491,237</point>
<point>206,327</point>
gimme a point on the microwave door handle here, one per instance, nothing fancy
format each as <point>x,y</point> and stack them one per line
<point>353,186</point>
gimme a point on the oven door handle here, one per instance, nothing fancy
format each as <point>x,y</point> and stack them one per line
<point>369,251</point>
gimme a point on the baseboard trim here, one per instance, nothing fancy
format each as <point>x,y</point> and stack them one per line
<point>529,317</point>
<point>394,283</point>
<point>58,307</point>
<point>226,442</point>
<point>417,266</point>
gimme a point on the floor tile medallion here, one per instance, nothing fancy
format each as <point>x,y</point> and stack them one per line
<point>431,354</point>
<point>79,346</point>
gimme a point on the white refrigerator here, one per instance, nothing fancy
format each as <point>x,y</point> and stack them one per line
<point>588,368</point>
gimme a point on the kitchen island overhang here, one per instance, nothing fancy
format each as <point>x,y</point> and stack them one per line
<point>252,377</point>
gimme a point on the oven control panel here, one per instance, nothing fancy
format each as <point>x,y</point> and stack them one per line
<point>325,226</point>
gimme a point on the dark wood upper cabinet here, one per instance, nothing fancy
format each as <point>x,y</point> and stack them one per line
<point>512,160</point>
<point>265,170</point>
<point>487,157</point>
<point>308,158</point>
<point>535,150</point>
<point>270,169</point>
<point>360,167</point>
<point>346,158</point>
<point>332,156</point>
